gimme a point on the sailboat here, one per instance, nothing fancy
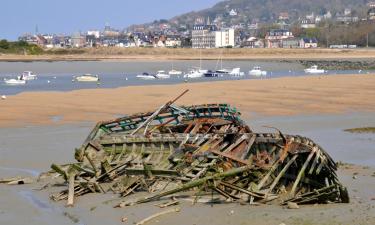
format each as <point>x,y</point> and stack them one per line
<point>162,75</point>
<point>196,72</point>
<point>174,72</point>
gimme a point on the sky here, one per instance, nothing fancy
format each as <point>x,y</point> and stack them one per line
<point>68,16</point>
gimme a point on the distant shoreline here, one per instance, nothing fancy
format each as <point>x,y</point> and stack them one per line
<point>155,54</point>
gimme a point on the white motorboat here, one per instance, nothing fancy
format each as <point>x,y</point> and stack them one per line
<point>198,71</point>
<point>87,78</point>
<point>146,76</point>
<point>314,70</point>
<point>175,72</point>
<point>17,81</point>
<point>28,75</point>
<point>236,72</point>
<point>195,74</point>
<point>256,71</point>
<point>162,75</point>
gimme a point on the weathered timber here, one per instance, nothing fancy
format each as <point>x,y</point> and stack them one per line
<point>201,147</point>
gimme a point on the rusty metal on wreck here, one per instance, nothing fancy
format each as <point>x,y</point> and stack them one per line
<point>203,148</point>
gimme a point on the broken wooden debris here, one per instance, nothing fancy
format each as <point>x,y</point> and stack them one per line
<point>168,211</point>
<point>200,148</point>
<point>166,204</point>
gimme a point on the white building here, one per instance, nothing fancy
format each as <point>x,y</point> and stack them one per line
<point>328,15</point>
<point>233,12</point>
<point>224,38</point>
<point>307,23</point>
<point>173,42</point>
<point>94,33</point>
<point>203,36</point>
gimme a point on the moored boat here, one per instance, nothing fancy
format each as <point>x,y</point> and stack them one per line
<point>17,81</point>
<point>175,72</point>
<point>87,78</point>
<point>28,75</point>
<point>195,74</point>
<point>314,70</point>
<point>162,75</point>
<point>211,73</point>
<point>256,71</point>
<point>146,76</point>
<point>236,72</point>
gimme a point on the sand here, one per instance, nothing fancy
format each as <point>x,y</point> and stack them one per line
<point>124,54</point>
<point>38,129</point>
<point>279,96</point>
<point>28,150</point>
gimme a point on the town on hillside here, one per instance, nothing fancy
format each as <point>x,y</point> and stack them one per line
<point>310,31</point>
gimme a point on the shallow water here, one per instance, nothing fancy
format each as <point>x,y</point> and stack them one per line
<point>328,132</point>
<point>58,76</point>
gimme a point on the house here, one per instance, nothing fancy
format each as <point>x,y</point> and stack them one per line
<point>34,39</point>
<point>94,33</point>
<point>253,42</point>
<point>199,20</point>
<point>78,40</point>
<point>308,43</point>
<point>275,37</point>
<point>253,26</point>
<point>110,32</point>
<point>224,38</point>
<point>173,41</point>
<point>203,36</point>
<point>310,16</point>
<point>346,17</point>
<point>233,12</point>
<point>283,24</point>
<point>371,14</point>
<point>284,16</point>
<point>318,19</point>
<point>328,15</point>
<point>308,23</point>
<point>371,11</point>
<point>290,43</point>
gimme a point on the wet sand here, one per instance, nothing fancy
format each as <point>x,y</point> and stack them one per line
<point>28,150</point>
<point>279,96</point>
<point>39,129</point>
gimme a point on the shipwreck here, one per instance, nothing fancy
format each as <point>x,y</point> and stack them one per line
<point>201,149</point>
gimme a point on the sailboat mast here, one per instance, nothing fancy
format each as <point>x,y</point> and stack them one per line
<point>200,59</point>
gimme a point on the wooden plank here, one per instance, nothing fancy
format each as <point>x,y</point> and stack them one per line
<point>250,144</point>
<point>229,156</point>
<point>302,171</point>
<point>70,202</point>
<point>282,172</point>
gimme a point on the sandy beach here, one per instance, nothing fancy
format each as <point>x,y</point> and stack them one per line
<point>41,128</point>
<point>279,96</point>
<point>124,54</point>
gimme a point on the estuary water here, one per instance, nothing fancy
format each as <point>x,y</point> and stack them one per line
<point>58,76</point>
